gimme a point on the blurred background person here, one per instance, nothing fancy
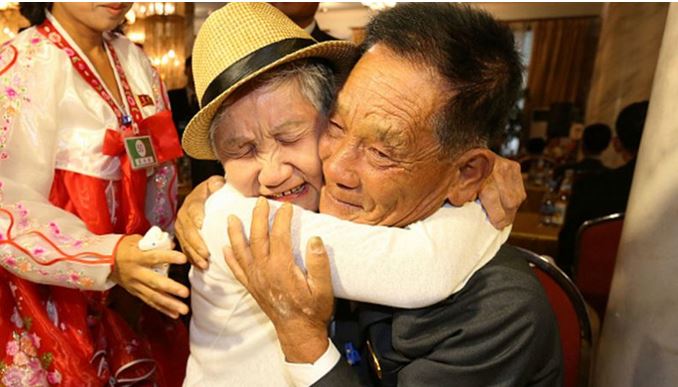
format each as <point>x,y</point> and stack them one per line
<point>595,140</point>
<point>534,165</point>
<point>607,192</point>
<point>184,106</point>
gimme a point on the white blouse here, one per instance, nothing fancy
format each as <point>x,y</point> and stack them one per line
<point>51,118</point>
<point>232,340</point>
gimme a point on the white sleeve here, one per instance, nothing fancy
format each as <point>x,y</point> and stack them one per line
<point>305,374</point>
<point>403,267</point>
<point>38,241</point>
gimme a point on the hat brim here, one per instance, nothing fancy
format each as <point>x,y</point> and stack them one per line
<point>196,141</point>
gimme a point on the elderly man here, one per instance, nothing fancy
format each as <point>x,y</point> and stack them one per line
<point>408,133</point>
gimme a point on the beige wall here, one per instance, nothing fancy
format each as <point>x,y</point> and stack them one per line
<point>627,56</point>
<point>339,18</point>
<point>639,341</point>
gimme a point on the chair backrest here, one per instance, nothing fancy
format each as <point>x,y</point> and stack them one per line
<point>595,256</point>
<point>573,320</point>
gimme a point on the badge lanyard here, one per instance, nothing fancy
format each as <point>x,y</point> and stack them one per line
<point>139,147</point>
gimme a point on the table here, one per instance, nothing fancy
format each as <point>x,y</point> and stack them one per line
<point>535,195</point>
<point>528,232</point>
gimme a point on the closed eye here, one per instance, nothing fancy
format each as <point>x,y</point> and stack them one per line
<point>239,153</point>
<point>287,140</point>
<point>334,129</point>
<point>379,153</point>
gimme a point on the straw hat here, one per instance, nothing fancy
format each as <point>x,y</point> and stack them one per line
<point>236,44</point>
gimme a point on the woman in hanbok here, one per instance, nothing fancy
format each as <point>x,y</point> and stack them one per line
<point>87,151</point>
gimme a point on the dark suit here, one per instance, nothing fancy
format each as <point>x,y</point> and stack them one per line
<point>582,169</point>
<point>593,197</point>
<point>499,330</point>
<point>320,35</point>
<point>183,109</point>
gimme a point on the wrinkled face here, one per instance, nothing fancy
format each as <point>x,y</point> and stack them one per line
<point>267,142</point>
<point>380,156</point>
<point>96,16</point>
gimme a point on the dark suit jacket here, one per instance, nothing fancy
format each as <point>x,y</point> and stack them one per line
<point>499,330</point>
<point>593,197</point>
<point>183,111</point>
<point>582,169</point>
<point>320,35</point>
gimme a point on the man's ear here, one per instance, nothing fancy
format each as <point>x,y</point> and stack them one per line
<point>472,168</point>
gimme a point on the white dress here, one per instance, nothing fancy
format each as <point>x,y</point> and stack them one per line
<point>234,343</point>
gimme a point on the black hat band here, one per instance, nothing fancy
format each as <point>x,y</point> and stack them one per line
<point>250,64</point>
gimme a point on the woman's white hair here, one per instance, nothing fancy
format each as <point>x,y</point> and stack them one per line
<point>316,82</point>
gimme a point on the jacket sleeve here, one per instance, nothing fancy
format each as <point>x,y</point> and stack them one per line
<point>38,241</point>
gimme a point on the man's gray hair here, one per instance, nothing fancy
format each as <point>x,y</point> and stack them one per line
<point>316,82</point>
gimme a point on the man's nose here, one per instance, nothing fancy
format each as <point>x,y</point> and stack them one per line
<point>274,170</point>
<point>340,168</point>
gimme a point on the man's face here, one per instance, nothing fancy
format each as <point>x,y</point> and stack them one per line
<point>380,156</point>
<point>267,142</point>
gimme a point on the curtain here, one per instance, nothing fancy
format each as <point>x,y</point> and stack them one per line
<point>563,52</point>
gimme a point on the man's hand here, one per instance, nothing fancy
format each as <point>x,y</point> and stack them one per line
<point>503,192</point>
<point>189,221</point>
<point>133,271</point>
<point>299,305</point>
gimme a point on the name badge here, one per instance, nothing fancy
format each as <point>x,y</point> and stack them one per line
<point>140,152</point>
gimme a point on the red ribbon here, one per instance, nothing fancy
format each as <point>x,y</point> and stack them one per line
<point>160,128</point>
<point>133,185</point>
<point>163,135</point>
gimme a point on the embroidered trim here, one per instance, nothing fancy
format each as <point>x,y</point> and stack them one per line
<point>101,258</point>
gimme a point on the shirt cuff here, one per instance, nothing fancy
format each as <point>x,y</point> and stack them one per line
<point>305,374</point>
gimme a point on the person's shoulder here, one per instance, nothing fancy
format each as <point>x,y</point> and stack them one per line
<point>507,275</point>
<point>23,50</point>
<point>506,283</point>
<point>29,62</point>
<point>506,288</point>
<point>502,303</point>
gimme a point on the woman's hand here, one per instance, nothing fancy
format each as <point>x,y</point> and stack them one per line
<point>133,271</point>
<point>189,221</point>
<point>503,192</point>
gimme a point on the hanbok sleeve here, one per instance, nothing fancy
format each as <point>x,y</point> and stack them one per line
<point>38,241</point>
<point>403,267</point>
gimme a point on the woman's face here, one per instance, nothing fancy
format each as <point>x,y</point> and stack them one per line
<point>267,142</point>
<point>100,17</point>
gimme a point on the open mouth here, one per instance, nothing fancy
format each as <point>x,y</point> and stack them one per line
<point>290,195</point>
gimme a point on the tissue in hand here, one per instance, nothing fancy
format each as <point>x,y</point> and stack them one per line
<point>156,239</point>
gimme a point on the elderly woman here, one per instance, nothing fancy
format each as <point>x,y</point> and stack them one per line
<point>266,89</point>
